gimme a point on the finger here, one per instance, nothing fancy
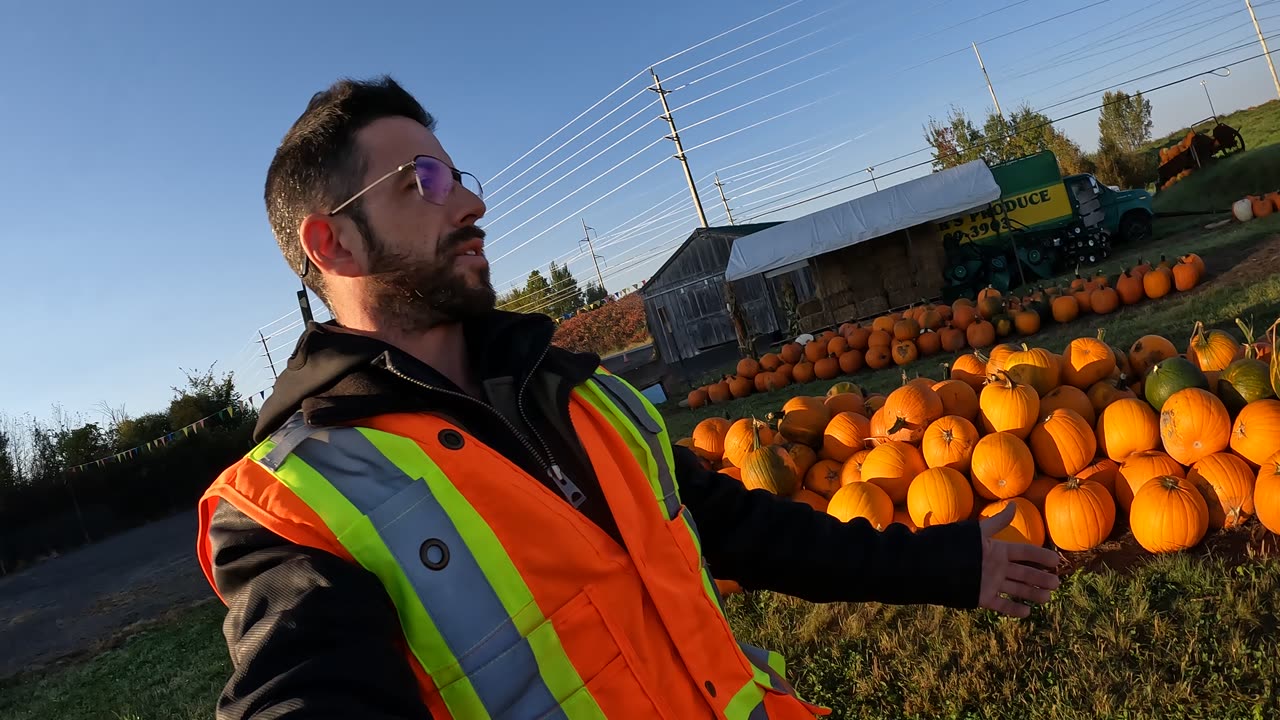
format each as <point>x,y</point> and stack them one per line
<point>999,521</point>
<point>1032,576</point>
<point>1019,591</point>
<point>1005,606</point>
<point>1024,553</point>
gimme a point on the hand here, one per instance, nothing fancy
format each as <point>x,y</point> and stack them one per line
<point>1007,570</point>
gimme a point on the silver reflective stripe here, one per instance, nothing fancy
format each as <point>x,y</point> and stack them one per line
<point>294,431</point>
<point>458,598</point>
<point>626,399</point>
<point>760,658</point>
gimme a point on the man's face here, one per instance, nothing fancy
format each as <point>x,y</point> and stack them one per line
<point>425,263</point>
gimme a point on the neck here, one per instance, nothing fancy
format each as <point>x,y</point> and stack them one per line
<point>443,347</point>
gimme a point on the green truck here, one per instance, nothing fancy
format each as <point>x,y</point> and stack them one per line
<point>1042,225</point>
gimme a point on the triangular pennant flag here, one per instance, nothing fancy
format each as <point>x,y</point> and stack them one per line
<point>186,431</point>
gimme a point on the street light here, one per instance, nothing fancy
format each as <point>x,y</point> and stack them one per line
<point>1205,85</point>
<point>872,171</point>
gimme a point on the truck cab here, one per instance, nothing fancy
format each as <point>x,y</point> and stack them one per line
<point>1125,214</point>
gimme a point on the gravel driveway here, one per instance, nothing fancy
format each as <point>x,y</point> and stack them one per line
<point>69,604</point>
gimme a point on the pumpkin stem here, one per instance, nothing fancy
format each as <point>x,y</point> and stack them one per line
<point>1169,482</point>
<point>902,424</point>
<point>1073,483</point>
<point>1102,333</point>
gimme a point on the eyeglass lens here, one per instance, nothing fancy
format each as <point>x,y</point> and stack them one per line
<point>436,179</point>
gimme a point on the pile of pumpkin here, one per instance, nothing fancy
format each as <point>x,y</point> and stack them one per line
<point>1178,443</point>
<point>927,329</point>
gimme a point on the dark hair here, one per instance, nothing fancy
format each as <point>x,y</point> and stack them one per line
<point>318,165</point>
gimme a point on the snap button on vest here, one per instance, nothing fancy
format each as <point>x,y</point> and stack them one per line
<point>711,688</point>
<point>434,554</point>
<point>451,439</point>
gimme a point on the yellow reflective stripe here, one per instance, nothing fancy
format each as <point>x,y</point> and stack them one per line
<point>554,665</point>
<point>596,398</point>
<point>359,537</point>
<point>746,704</point>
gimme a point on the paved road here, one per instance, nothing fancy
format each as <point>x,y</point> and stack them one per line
<point>68,604</point>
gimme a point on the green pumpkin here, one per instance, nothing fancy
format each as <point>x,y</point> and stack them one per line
<point>1168,377</point>
<point>1003,324</point>
<point>1242,382</point>
<point>843,387</point>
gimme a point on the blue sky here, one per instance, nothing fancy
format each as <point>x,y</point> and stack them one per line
<point>138,134</point>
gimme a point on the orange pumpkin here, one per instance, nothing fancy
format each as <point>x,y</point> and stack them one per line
<point>1194,423</point>
<point>741,439</point>
<point>998,358</point>
<point>846,402</point>
<point>826,368</point>
<point>812,499</point>
<point>823,478</point>
<point>929,343</point>
<point>1039,489</point>
<point>989,292</point>
<point>903,517</point>
<point>939,496</point>
<point>1168,514</point>
<point>740,387</point>
<point>698,398</point>
<point>815,350</point>
<point>1026,322</point>
<point>1062,443</point>
<point>846,434</point>
<point>910,409</point>
<point>1129,288</point>
<point>1157,283</point>
<point>1255,436</point>
<point>970,369</point>
<point>962,316</point>
<point>1196,262</point>
<point>904,352</point>
<point>980,334</point>
<point>1084,299</point>
<point>1104,301</point>
<point>804,373</point>
<point>850,361</point>
<point>791,353</point>
<point>802,456</point>
<point>1103,471</point>
<point>1147,351</point>
<point>804,425</point>
<point>1001,467</point>
<point>931,317</point>
<point>784,373</point>
<point>719,392</point>
<point>1026,527</point>
<point>1266,494</point>
<point>951,339</point>
<point>862,500</point>
<point>1103,394</point>
<point>1185,277</point>
<point>1064,308</point>
<point>851,471</point>
<point>1226,482</point>
<point>1036,367</point>
<point>803,402</point>
<point>1211,350</point>
<point>770,362</point>
<point>1087,361</point>
<point>893,466</point>
<point>708,438</point>
<point>837,345</point>
<point>1127,426</point>
<point>1079,514</point>
<point>880,338</point>
<point>1008,406</point>
<point>747,368</point>
<point>1139,468</point>
<point>767,467</point>
<point>906,329</point>
<point>878,358</point>
<point>1070,398</point>
<point>958,398</point>
<point>949,442</point>
<point>858,338</point>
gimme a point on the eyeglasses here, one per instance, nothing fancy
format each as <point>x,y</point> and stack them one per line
<point>435,180</point>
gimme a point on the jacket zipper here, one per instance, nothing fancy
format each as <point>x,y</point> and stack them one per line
<point>566,486</point>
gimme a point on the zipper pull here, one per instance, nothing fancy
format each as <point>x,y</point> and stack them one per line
<point>567,486</point>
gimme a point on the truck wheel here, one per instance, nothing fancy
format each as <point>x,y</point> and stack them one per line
<point>1135,227</point>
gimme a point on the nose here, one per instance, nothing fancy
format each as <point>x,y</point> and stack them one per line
<point>466,206</point>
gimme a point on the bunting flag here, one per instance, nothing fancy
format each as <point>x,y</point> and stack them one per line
<point>162,441</point>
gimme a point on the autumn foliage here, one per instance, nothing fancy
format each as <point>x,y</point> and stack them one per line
<point>610,328</point>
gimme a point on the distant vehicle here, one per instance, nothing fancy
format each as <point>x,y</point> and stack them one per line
<point>1041,225</point>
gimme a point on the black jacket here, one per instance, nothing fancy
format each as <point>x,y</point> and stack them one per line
<point>313,636</point>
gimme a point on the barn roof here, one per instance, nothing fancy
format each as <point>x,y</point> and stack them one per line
<point>732,232</point>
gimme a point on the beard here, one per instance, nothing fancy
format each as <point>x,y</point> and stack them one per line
<point>414,295</point>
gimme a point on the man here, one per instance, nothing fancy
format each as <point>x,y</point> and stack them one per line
<point>448,517</point>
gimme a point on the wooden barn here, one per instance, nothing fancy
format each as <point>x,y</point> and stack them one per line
<point>685,303</point>
<point>871,254</point>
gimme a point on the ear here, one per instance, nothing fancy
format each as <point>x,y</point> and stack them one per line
<point>332,245</point>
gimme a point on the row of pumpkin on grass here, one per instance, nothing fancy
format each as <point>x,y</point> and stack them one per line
<point>1180,443</point>
<point>926,329</point>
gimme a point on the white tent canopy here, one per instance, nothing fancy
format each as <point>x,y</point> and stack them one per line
<point>933,197</point>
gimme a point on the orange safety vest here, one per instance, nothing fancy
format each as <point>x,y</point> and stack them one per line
<point>513,604</point>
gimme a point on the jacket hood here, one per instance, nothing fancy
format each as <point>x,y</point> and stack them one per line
<point>336,365</point>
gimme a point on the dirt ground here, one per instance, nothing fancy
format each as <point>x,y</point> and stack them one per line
<point>74,603</point>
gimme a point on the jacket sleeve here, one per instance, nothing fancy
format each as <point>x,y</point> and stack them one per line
<point>310,634</point>
<point>769,543</point>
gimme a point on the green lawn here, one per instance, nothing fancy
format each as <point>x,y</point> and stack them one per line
<point>172,670</point>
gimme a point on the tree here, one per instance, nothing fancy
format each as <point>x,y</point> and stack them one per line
<point>594,293</point>
<point>565,295</point>
<point>204,395</point>
<point>954,143</point>
<point>83,444</point>
<point>132,432</point>
<point>1125,121</point>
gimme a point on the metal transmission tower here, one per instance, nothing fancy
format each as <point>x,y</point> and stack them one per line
<point>592,249</point>
<point>725,200</point>
<point>675,137</point>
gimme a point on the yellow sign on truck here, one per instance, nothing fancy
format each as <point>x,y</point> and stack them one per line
<point>1028,208</point>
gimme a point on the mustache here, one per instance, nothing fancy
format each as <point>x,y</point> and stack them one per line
<point>459,236</point>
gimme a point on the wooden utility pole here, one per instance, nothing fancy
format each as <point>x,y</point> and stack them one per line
<point>989,87</point>
<point>675,137</point>
<point>1263,41</point>
<point>725,200</point>
<point>592,249</point>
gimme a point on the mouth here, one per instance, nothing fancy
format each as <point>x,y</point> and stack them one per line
<point>471,248</point>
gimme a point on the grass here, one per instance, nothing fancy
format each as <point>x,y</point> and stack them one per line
<point>1179,637</point>
<point>171,670</point>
